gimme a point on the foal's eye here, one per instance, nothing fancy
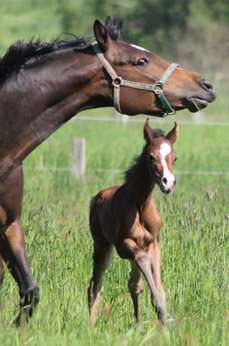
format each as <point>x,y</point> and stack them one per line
<point>142,62</point>
<point>151,158</point>
<point>175,159</point>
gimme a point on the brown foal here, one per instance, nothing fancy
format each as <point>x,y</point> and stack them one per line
<point>125,217</point>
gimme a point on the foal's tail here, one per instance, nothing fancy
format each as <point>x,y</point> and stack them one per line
<point>96,202</point>
<point>95,205</point>
<point>94,216</point>
<point>92,205</point>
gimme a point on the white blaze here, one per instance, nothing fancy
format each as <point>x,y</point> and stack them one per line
<point>140,48</point>
<point>165,149</point>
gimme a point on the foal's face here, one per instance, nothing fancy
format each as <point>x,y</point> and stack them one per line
<point>161,156</point>
<point>160,161</point>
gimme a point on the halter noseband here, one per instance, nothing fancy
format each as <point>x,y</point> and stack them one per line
<point>117,82</point>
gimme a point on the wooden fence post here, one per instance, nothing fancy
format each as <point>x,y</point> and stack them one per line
<point>79,161</point>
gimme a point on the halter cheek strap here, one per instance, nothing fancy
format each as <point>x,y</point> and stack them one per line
<point>117,82</point>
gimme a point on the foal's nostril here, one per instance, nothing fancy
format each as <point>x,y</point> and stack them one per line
<point>164,180</point>
<point>206,84</point>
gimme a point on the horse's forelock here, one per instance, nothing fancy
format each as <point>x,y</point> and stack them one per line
<point>114,27</point>
<point>158,133</point>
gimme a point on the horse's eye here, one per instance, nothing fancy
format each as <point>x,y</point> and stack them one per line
<point>142,62</point>
<point>175,159</point>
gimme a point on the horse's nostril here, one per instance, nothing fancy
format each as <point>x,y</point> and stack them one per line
<point>164,180</point>
<point>206,84</point>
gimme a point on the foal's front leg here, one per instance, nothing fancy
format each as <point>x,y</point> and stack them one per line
<point>128,249</point>
<point>155,254</point>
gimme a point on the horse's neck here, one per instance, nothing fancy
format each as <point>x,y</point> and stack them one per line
<point>43,96</point>
<point>140,186</point>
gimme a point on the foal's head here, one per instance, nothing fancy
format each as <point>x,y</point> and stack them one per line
<point>161,156</point>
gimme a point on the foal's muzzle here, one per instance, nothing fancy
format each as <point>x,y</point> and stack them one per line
<point>167,186</point>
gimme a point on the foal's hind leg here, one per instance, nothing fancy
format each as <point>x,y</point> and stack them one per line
<point>136,286</point>
<point>102,257</point>
<point>1,277</point>
<point>13,252</point>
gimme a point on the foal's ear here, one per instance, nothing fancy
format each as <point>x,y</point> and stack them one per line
<point>101,35</point>
<point>148,132</point>
<point>173,134</point>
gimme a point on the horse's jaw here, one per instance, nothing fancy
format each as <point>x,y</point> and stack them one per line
<point>195,104</point>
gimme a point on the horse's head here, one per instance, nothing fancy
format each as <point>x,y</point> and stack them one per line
<point>143,82</point>
<point>161,156</point>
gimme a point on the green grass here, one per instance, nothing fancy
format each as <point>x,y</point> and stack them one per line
<point>194,237</point>
<point>194,242</point>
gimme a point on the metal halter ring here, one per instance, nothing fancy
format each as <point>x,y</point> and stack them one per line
<point>117,82</point>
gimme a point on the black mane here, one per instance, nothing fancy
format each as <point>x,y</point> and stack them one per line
<point>130,171</point>
<point>19,52</point>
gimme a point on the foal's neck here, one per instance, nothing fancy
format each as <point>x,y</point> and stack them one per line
<point>140,186</point>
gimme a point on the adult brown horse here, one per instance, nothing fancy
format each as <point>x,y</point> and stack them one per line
<point>43,85</point>
<point>125,217</point>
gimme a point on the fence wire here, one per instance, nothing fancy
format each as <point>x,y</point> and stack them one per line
<point>131,120</point>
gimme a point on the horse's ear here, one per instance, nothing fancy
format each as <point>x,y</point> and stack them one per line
<point>148,132</point>
<point>101,35</point>
<point>173,134</point>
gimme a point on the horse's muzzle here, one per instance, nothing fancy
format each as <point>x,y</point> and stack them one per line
<point>200,101</point>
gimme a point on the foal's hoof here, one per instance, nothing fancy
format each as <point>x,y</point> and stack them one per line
<point>21,319</point>
<point>27,304</point>
<point>170,320</point>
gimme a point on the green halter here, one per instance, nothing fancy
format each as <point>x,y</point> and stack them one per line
<point>117,82</point>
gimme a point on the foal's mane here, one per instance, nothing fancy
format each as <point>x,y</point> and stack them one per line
<point>19,52</point>
<point>128,174</point>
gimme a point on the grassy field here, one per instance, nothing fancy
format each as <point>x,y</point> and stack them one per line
<point>194,239</point>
